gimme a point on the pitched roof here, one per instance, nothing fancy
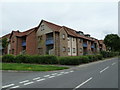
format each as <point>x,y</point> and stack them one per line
<point>53,26</point>
<point>101,41</point>
<point>27,32</point>
<point>70,31</point>
<point>6,36</point>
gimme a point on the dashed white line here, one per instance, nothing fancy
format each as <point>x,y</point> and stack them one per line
<point>41,79</point>
<point>113,63</point>
<point>83,83</point>
<point>54,74</point>
<point>46,75</point>
<point>7,85</point>
<point>51,76</point>
<point>104,69</point>
<point>36,78</point>
<point>28,83</point>
<point>59,74</point>
<point>15,87</point>
<point>24,81</point>
<point>66,72</point>
<point>71,71</point>
<point>62,72</point>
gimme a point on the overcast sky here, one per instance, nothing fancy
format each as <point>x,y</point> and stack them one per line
<point>94,18</point>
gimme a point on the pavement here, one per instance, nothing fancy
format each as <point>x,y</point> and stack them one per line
<point>100,74</point>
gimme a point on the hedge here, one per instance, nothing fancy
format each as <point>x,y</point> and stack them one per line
<point>50,59</point>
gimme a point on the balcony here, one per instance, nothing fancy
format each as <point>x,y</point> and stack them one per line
<point>84,44</point>
<point>92,46</point>
<point>49,41</point>
<point>24,43</point>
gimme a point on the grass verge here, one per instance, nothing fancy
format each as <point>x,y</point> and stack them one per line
<point>30,67</point>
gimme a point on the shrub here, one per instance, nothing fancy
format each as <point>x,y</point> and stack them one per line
<point>99,56</point>
<point>8,58</point>
<point>85,59</point>
<point>69,60</point>
<point>20,59</point>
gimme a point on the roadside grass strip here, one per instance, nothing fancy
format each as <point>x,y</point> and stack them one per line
<point>104,69</point>
<point>8,85</point>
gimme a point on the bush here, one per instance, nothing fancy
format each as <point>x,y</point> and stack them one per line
<point>8,58</point>
<point>85,59</point>
<point>106,54</point>
<point>69,60</point>
<point>99,56</point>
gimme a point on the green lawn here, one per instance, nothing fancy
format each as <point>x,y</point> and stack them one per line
<point>30,67</point>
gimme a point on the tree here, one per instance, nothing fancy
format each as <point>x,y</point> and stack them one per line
<point>112,41</point>
<point>4,43</point>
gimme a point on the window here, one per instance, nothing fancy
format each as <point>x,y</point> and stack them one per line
<point>42,27</point>
<point>80,40</point>
<point>12,51</point>
<point>63,36</point>
<point>64,49</point>
<point>73,50</point>
<point>80,49</point>
<point>73,38</point>
<point>68,38</point>
<point>68,49</point>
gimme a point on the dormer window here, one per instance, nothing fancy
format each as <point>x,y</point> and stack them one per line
<point>42,27</point>
<point>63,36</point>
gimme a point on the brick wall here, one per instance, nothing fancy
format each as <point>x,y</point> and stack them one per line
<point>31,44</point>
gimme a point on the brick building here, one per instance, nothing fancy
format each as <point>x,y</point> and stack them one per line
<point>52,39</point>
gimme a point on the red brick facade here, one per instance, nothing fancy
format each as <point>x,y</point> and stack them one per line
<point>29,43</point>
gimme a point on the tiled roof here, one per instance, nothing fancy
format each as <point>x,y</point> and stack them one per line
<point>54,27</point>
<point>25,33</point>
<point>70,31</point>
<point>101,41</point>
<point>6,36</point>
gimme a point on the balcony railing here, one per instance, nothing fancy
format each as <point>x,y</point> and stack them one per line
<point>84,44</point>
<point>92,46</point>
<point>49,41</point>
<point>24,43</point>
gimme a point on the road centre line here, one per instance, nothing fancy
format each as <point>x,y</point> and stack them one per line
<point>51,76</point>
<point>54,73</point>
<point>113,63</point>
<point>28,83</point>
<point>36,78</point>
<point>104,69</point>
<point>7,85</point>
<point>46,75</point>
<point>82,83</point>
<point>24,81</point>
<point>15,87</point>
<point>41,79</point>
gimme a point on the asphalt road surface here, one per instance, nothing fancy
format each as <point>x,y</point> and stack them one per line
<point>101,74</point>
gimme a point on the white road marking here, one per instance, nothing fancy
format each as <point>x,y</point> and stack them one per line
<point>28,83</point>
<point>36,78</point>
<point>7,85</point>
<point>24,81</point>
<point>66,72</point>
<point>71,71</point>
<point>59,74</point>
<point>83,83</point>
<point>41,79</point>
<point>113,63</point>
<point>104,69</point>
<point>51,76</point>
<point>46,75</point>
<point>62,72</point>
<point>54,74</point>
<point>15,87</point>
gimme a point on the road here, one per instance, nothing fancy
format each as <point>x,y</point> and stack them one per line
<point>101,74</point>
